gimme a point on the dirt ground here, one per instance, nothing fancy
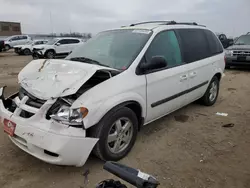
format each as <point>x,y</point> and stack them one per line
<point>196,153</point>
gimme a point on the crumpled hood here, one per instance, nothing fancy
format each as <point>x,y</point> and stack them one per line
<point>47,79</point>
<point>239,47</point>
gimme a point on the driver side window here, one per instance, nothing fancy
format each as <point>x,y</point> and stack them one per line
<point>14,39</point>
<point>165,44</point>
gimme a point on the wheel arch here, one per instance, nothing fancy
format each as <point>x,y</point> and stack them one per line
<point>51,49</point>
<point>133,105</point>
<point>218,75</point>
<point>26,49</point>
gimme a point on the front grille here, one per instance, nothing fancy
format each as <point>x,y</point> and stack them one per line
<point>241,53</point>
<point>27,104</point>
<point>32,101</point>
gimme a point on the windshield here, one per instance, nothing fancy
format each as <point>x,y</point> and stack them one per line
<point>52,41</point>
<point>116,49</point>
<point>243,40</point>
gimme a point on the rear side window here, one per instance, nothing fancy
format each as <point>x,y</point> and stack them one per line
<point>23,37</point>
<point>165,44</point>
<point>73,41</point>
<point>38,42</point>
<point>194,45</point>
<point>213,42</point>
<point>63,41</point>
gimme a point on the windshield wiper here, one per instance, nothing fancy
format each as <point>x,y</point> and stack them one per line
<point>87,60</point>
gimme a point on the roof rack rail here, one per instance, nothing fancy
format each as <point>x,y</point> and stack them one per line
<point>169,23</point>
<point>140,23</point>
<point>184,23</point>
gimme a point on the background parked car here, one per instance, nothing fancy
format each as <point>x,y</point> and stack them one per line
<point>226,42</point>
<point>16,40</point>
<point>27,49</point>
<point>57,47</point>
<point>239,53</point>
<point>1,45</point>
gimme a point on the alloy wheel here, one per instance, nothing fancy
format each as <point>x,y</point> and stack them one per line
<point>120,135</point>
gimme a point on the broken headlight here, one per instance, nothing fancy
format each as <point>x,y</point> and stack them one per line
<point>72,117</point>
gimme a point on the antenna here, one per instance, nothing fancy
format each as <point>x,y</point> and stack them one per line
<point>51,22</point>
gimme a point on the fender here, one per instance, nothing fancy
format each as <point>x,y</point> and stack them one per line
<point>98,110</point>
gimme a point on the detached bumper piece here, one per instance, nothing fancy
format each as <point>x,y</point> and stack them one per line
<point>45,139</point>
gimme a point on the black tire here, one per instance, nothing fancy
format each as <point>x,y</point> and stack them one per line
<point>7,47</point>
<point>50,54</point>
<point>103,129</point>
<point>26,51</point>
<point>206,99</point>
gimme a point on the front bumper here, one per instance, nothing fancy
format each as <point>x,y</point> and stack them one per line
<point>236,61</point>
<point>45,139</point>
<point>37,54</point>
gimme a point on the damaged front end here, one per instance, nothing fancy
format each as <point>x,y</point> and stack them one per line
<point>26,105</point>
<point>39,118</point>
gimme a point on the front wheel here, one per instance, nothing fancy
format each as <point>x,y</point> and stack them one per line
<point>50,54</point>
<point>117,133</point>
<point>212,92</point>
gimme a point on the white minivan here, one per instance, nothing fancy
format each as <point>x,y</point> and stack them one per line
<point>99,97</point>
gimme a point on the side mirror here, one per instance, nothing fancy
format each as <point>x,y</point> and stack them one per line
<point>157,62</point>
<point>58,44</point>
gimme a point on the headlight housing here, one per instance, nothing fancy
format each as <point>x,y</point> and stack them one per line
<point>229,53</point>
<point>72,117</point>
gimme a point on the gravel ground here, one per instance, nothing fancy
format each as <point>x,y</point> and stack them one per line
<point>189,148</point>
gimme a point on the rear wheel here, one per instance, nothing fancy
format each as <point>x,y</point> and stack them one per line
<point>117,133</point>
<point>212,92</point>
<point>26,51</point>
<point>50,54</point>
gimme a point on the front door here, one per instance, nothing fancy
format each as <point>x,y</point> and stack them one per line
<point>14,41</point>
<point>166,88</point>
<point>62,47</point>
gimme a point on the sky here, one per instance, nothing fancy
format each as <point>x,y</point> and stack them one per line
<point>231,17</point>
